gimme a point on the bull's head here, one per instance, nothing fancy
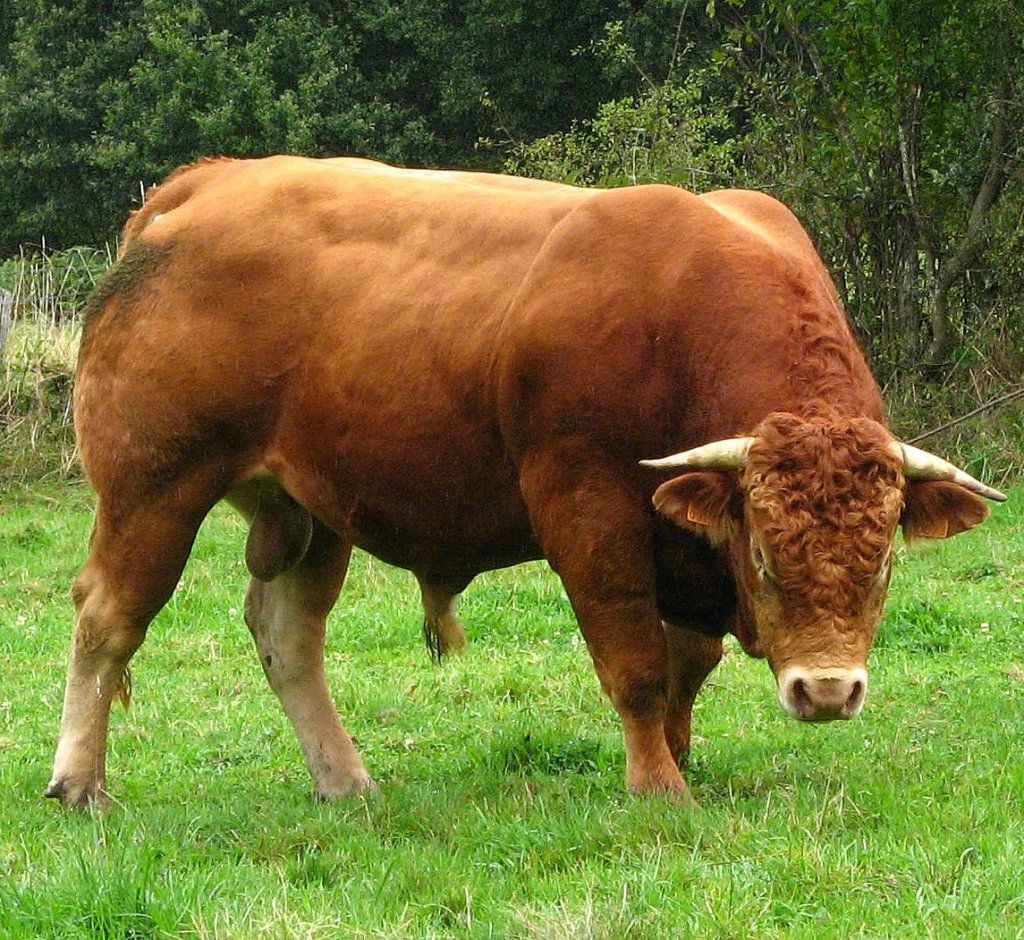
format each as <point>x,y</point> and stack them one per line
<point>808,510</point>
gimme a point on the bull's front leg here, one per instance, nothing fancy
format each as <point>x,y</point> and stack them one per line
<point>626,643</point>
<point>597,536</point>
<point>692,656</point>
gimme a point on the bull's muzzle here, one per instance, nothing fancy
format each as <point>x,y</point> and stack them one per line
<point>822,694</point>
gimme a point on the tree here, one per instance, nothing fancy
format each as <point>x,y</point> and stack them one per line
<point>897,125</point>
<point>892,128</point>
<point>54,58</point>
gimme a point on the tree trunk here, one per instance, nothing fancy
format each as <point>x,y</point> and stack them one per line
<point>908,311</point>
<point>942,344</point>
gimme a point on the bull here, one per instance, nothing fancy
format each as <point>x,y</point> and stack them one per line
<point>458,372</point>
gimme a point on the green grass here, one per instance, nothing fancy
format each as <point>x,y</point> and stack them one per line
<point>502,811</point>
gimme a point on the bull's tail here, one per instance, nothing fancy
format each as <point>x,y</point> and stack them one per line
<point>442,631</point>
<point>123,692</point>
<point>432,637</point>
<point>168,195</point>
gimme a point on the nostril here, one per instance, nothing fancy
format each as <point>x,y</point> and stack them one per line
<point>856,698</point>
<point>801,698</point>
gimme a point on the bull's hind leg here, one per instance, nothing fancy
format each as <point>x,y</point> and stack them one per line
<point>135,561</point>
<point>442,630</point>
<point>287,616</point>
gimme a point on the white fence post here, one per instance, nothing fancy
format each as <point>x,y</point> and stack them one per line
<point>6,316</point>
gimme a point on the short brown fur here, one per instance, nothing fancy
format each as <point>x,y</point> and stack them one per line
<point>125,279</point>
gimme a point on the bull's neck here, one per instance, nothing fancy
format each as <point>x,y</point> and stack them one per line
<point>827,370</point>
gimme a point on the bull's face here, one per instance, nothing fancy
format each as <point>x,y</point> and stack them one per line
<point>807,509</point>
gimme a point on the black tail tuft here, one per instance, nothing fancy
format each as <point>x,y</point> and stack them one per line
<point>432,637</point>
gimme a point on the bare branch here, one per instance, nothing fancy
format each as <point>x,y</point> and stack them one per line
<point>675,44</point>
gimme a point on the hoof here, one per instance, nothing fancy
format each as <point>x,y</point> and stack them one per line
<point>444,636</point>
<point>665,782</point>
<point>680,795</point>
<point>81,797</point>
<point>360,785</point>
<point>452,637</point>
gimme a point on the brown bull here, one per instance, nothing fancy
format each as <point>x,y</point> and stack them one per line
<point>458,372</point>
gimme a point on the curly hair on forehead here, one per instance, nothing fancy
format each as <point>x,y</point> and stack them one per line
<point>826,494</point>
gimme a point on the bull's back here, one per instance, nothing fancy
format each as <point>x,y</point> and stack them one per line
<point>680,319</point>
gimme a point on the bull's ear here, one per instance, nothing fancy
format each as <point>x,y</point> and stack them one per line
<point>937,510</point>
<point>702,501</point>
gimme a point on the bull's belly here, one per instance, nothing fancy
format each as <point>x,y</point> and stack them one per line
<point>427,512</point>
<point>439,532</point>
<point>447,561</point>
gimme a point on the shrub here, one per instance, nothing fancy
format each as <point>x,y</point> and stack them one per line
<point>45,294</point>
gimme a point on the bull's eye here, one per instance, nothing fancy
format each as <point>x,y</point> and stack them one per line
<point>760,562</point>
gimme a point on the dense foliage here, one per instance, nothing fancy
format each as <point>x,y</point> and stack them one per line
<point>98,96</point>
<point>892,128</point>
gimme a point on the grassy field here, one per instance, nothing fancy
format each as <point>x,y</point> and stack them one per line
<point>502,811</point>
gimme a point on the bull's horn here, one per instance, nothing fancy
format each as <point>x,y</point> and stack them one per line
<point>920,465</point>
<point>730,454</point>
